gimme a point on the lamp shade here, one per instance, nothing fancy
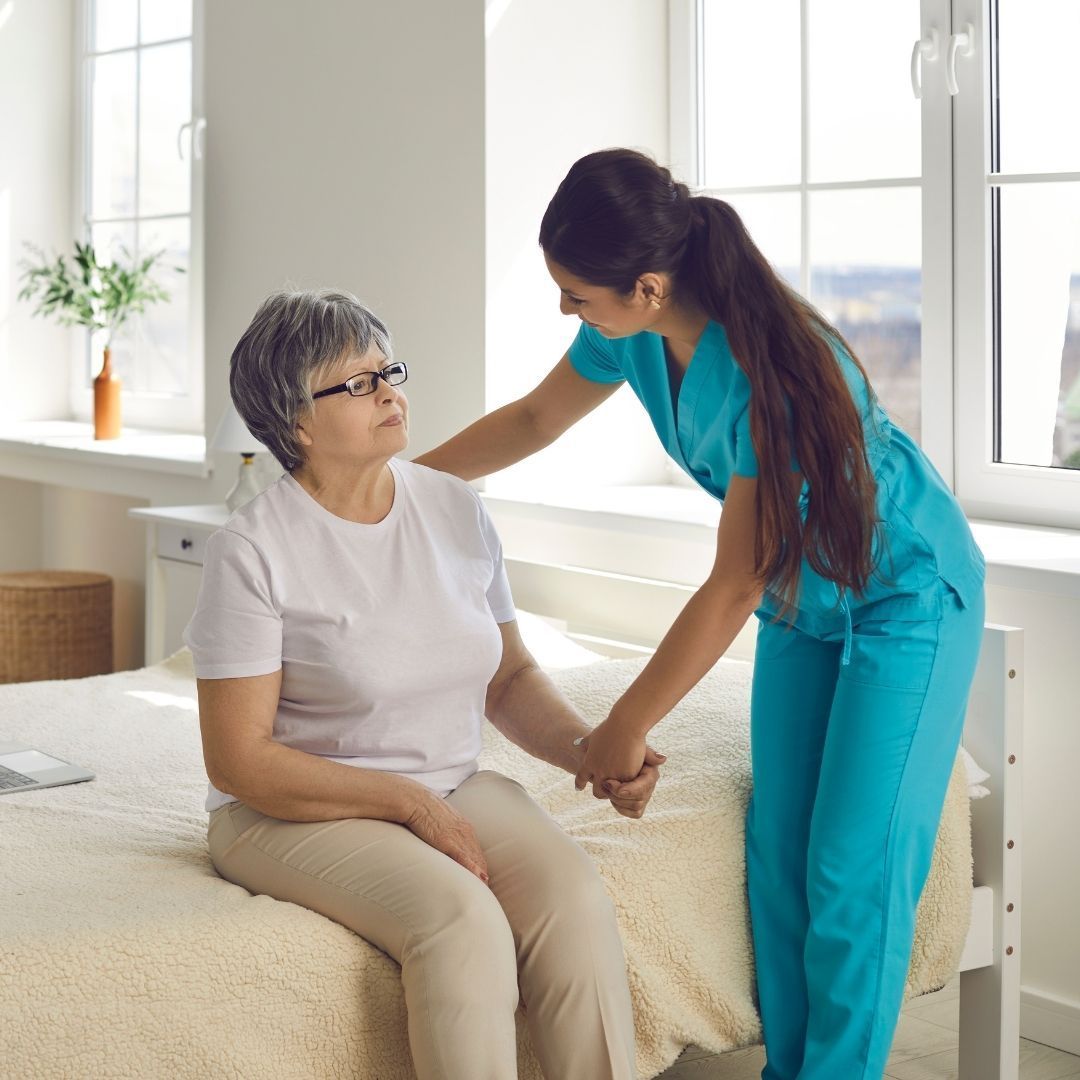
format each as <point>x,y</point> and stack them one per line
<point>232,434</point>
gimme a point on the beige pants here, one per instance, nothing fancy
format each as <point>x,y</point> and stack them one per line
<point>545,922</point>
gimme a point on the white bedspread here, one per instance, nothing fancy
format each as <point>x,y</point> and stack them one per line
<point>122,954</point>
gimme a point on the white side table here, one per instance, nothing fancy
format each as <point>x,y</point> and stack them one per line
<point>175,541</point>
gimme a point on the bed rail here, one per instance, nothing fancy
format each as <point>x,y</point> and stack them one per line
<point>990,995</point>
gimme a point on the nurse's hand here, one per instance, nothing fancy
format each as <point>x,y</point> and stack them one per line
<point>632,796</point>
<point>612,753</point>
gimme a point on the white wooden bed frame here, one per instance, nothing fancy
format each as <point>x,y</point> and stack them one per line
<point>626,616</point>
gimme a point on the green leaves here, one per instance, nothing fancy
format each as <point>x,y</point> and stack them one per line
<point>84,292</point>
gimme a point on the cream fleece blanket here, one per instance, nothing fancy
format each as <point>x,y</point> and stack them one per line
<point>122,954</point>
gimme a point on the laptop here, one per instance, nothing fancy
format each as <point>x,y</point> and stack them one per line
<point>22,768</point>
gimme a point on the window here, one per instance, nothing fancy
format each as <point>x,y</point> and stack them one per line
<point>940,236</point>
<point>139,189</point>
<point>1018,261</point>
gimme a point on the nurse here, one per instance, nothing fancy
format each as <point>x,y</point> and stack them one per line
<point>836,532</point>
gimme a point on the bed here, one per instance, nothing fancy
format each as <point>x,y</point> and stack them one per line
<point>124,954</point>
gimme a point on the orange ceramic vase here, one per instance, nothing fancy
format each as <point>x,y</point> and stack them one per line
<point>107,401</point>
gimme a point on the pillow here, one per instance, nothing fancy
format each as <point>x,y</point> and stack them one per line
<point>550,647</point>
<point>975,776</point>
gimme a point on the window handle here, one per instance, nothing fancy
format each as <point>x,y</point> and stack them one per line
<point>197,126</point>
<point>927,49</point>
<point>962,44</point>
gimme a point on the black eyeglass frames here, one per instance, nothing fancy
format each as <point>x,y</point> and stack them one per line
<point>366,381</point>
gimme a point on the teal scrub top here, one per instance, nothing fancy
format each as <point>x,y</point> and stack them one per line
<point>923,542</point>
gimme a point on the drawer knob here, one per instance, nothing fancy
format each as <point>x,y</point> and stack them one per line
<point>185,544</point>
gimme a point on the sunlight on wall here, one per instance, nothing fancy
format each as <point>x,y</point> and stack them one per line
<point>537,126</point>
<point>5,265</point>
<point>494,10</point>
<point>5,12</point>
<point>5,254</point>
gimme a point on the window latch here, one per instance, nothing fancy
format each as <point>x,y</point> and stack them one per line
<point>196,126</point>
<point>962,44</point>
<point>926,49</point>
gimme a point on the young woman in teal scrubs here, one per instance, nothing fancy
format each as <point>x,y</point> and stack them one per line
<point>836,532</point>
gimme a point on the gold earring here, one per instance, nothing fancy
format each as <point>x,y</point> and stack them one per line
<point>655,304</point>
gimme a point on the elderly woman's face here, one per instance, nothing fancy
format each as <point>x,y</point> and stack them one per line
<point>346,428</point>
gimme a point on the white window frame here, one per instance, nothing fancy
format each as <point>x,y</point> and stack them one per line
<point>155,411</point>
<point>956,375</point>
<point>1026,493</point>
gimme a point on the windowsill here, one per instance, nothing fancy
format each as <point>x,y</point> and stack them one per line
<point>73,441</point>
<point>644,504</point>
<point>1017,556</point>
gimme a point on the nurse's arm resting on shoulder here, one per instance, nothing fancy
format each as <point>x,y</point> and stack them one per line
<point>697,639</point>
<point>513,432</point>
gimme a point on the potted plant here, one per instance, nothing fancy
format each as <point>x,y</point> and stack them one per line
<point>99,296</point>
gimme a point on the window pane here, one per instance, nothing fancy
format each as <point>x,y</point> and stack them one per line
<point>1039,319</point>
<point>773,223</point>
<point>1039,85</point>
<point>112,138</point>
<point>109,242</point>
<point>163,20</point>
<point>866,279</point>
<point>864,121</point>
<point>163,334</point>
<point>165,87</point>
<point>751,92</point>
<point>112,25</point>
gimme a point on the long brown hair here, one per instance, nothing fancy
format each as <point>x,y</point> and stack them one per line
<point>618,215</point>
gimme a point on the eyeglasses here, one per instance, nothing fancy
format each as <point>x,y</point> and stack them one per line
<point>367,381</point>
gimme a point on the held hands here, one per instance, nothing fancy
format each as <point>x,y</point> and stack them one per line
<point>621,767</point>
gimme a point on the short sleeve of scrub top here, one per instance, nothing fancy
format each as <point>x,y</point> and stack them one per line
<point>708,434</point>
<point>593,358</point>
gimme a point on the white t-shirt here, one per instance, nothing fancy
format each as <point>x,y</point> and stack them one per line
<point>385,634</point>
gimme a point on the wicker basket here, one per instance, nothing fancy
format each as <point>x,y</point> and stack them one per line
<point>55,624</point>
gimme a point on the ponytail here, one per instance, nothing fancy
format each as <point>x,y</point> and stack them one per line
<point>800,407</point>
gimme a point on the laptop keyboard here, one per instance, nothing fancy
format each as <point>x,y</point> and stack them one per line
<point>9,778</point>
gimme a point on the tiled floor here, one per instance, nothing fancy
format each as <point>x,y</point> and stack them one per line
<point>924,1049</point>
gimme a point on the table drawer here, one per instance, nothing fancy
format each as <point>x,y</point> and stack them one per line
<point>184,543</point>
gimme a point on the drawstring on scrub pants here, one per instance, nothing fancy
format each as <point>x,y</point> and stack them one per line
<point>841,597</point>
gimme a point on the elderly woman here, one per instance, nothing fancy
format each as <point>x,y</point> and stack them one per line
<point>353,629</point>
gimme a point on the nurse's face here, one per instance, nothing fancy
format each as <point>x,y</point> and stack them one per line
<point>613,314</point>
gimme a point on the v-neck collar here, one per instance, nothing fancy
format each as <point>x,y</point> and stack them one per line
<point>681,408</point>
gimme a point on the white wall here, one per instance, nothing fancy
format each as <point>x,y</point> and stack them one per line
<point>345,147</point>
<point>20,533</point>
<point>87,530</point>
<point>35,197</point>
<point>563,79</point>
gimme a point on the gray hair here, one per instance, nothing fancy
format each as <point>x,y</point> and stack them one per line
<point>293,339</point>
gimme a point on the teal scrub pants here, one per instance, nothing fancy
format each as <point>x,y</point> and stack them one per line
<point>851,762</point>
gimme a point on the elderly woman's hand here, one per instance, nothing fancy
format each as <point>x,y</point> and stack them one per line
<point>632,796</point>
<point>629,797</point>
<point>437,823</point>
<point>613,753</point>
